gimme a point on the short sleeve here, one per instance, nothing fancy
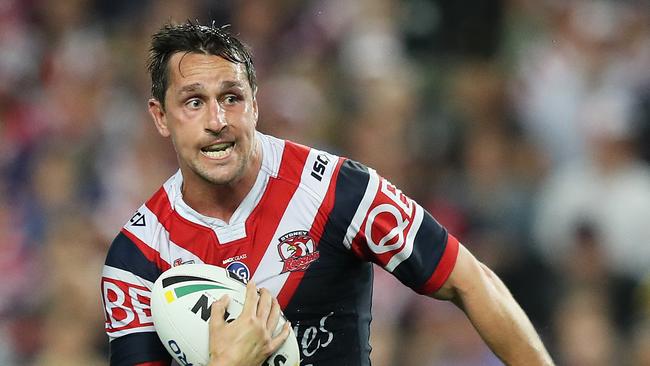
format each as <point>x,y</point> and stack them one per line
<point>388,228</point>
<point>126,283</point>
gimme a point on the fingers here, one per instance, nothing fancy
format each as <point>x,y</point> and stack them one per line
<point>218,311</point>
<point>250,303</point>
<point>273,316</point>
<point>261,305</point>
<point>264,304</point>
<point>279,339</point>
<point>252,333</point>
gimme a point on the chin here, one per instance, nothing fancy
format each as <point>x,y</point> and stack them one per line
<point>221,177</point>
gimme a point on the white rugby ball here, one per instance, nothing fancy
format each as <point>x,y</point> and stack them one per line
<point>180,307</point>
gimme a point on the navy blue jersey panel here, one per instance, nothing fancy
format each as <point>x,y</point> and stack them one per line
<point>351,185</point>
<point>137,348</point>
<point>331,308</point>
<point>124,254</point>
<point>428,247</point>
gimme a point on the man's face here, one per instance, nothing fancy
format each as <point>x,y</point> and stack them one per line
<point>210,113</point>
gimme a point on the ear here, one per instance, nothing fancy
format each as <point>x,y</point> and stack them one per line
<point>157,112</point>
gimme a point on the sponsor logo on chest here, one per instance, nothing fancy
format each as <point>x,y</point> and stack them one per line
<point>238,267</point>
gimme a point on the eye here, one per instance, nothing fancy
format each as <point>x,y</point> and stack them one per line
<point>194,103</point>
<point>231,99</point>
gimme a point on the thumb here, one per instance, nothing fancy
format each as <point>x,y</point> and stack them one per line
<point>218,311</point>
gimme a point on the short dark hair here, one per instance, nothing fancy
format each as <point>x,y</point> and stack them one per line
<point>192,37</point>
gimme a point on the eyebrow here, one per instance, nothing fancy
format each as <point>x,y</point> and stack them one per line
<point>227,84</point>
<point>194,87</point>
<point>191,88</point>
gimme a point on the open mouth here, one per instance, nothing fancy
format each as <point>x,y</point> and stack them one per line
<point>218,151</point>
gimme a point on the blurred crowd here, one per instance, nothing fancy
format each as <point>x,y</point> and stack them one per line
<point>521,125</point>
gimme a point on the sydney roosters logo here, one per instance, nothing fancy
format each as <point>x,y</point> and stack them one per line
<point>297,251</point>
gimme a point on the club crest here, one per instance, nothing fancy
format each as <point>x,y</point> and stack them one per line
<point>297,251</point>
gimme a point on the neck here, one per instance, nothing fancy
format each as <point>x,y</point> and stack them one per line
<point>221,200</point>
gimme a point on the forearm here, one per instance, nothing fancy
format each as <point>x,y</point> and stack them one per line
<point>493,311</point>
<point>500,321</point>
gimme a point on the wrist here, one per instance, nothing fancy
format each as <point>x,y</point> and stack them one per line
<point>216,360</point>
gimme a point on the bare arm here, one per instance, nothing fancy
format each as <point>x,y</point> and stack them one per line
<point>493,311</point>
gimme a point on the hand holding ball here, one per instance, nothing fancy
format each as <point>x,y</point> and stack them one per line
<point>182,306</point>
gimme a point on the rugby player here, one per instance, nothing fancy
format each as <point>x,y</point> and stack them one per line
<point>304,225</point>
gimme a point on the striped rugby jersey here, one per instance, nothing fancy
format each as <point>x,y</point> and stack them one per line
<point>308,231</point>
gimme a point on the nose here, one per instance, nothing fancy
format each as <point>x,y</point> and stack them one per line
<point>216,120</point>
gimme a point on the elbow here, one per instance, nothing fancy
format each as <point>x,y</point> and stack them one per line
<point>468,275</point>
<point>493,280</point>
<point>470,278</point>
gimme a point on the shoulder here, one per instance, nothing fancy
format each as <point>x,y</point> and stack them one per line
<point>142,231</point>
<point>308,168</point>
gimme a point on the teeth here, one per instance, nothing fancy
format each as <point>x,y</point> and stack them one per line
<point>218,153</point>
<point>218,147</point>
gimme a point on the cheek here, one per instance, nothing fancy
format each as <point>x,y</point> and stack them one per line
<point>246,110</point>
<point>181,138</point>
<point>185,123</point>
<point>244,120</point>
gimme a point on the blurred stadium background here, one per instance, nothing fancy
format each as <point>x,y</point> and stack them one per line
<point>522,125</point>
